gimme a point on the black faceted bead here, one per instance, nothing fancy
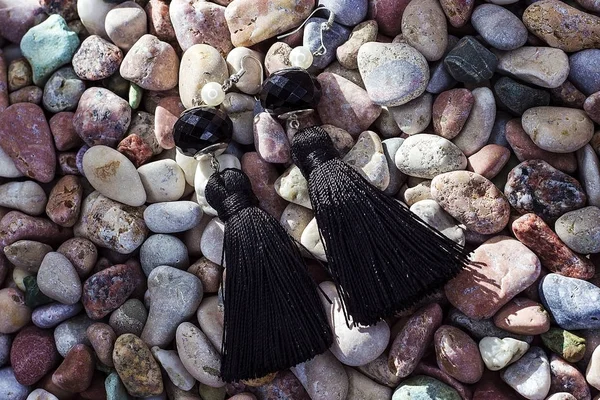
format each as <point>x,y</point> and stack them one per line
<point>290,89</point>
<point>200,128</point>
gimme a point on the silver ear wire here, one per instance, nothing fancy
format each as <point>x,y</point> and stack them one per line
<point>235,78</point>
<point>325,26</point>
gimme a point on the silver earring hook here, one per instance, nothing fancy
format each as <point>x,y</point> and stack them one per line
<point>325,26</point>
<point>235,78</point>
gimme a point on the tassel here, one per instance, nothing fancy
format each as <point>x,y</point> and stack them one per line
<point>383,258</point>
<point>274,318</point>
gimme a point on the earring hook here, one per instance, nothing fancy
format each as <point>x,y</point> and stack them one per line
<point>325,26</point>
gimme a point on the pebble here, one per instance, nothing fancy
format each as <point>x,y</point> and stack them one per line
<point>489,161</point>
<point>567,378</point>
<point>277,57</point>
<point>589,173</point>
<point>19,74</point>
<point>41,394</point>
<point>421,387</point>
<point>347,12</point>
<point>481,328</point>
<point>523,316</point>
<point>170,362</point>
<point>426,156</point>
<point>125,24</point>
<point>32,150</point>
<point>499,27</point>
<point>412,341</point>
<point>498,353</point>
<point>110,224</point>
<point>502,268</point>
<point>58,279</point>
<point>353,75</point>
<point>200,22</point>
<point>270,139</point>
<point>172,217</point>
<point>93,15</point>
<point>274,17</point>
<point>106,290</point>
<point>518,98</point>
<point>431,212</point>
<point>579,230</point>
<point>458,12</point>
<point>113,175</point>
<point>33,296</point>
<point>51,315</point>
<point>562,26</point>
<point>96,59</point>
<point>424,28</point>
<point>542,66</point>
<point>393,73</point>
<point>591,106</point>
<point>361,387</point>
<point>525,149</point>
<point>472,200</point>
<point>332,38</point>
<point>102,338</point>
<point>530,376</point>
<point>53,34</point>
<point>136,367</point>
<point>470,62</point>
<point>451,110</point>
<point>414,116</point>
<point>33,354</point>
<point>581,75</point>
<point>15,226</point>
<point>198,356</point>
<point>5,347</point>
<point>323,377</point>
<point>311,240</point>
<point>592,373</point>
<point>570,301</point>
<point>387,13</point>
<point>362,33</point>
<point>29,94</point>
<point>151,64</point>
<point>262,177</point>
<point>72,332</point>
<point>536,186</point>
<point>129,318</point>
<point>397,178</point>
<point>240,109</point>
<point>82,253</point>
<point>355,345</point>
<point>209,274</point>
<point>175,296</point>
<point>163,249</point>
<point>564,343</point>
<point>64,201</point>
<point>8,168</point>
<point>567,95</point>
<point>211,242</point>
<point>415,189</point>
<point>345,105</point>
<point>457,354</point>
<point>252,62</point>
<point>63,91</point>
<point>10,388</point>
<point>479,124</point>
<point>75,373</point>
<point>102,117</point>
<point>211,320</point>
<point>166,114</point>
<point>368,158</point>
<point>27,196</point>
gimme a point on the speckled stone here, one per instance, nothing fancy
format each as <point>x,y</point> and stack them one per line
<point>129,318</point>
<point>33,354</point>
<point>102,338</point>
<point>478,127</point>
<point>75,373</point>
<point>421,387</point>
<point>387,14</point>
<point>362,33</point>
<point>331,39</point>
<point>579,230</point>
<point>10,388</point>
<point>567,95</point>
<point>270,139</point>
<point>536,186</point>
<point>106,290</point>
<point>470,62</point>
<point>323,376</point>
<point>58,279</point>
<point>163,249</point>
<point>518,98</point>
<point>530,376</point>
<point>451,110</point>
<point>71,332</point>
<point>51,315</point>
<point>426,156</point>
<point>567,378</point>
<point>499,27</point>
<point>542,66</point>
<point>458,12</point>
<point>424,28</point>
<point>82,253</point>
<point>414,116</point>
<point>63,91</point>
<point>136,367</point>
<point>96,59</point>
<point>172,217</point>
<point>29,94</point>
<point>201,63</point>
<point>198,355</point>
<point>159,20</point>
<point>457,354</point>
<point>558,129</point>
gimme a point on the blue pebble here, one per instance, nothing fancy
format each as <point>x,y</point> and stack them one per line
<point>347,12</point>
<point>574,303</point>
<point>332,39</point>
<point>584,72</point>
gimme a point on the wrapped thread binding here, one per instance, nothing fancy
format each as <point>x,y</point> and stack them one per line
<point>274,318</point>
<point>383,258</point>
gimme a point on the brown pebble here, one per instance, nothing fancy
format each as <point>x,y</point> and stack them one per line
<point>567,95</point>
<point>489,161</point>
<point>209,273</point>
<point>76,371</point>
<point>16,226</point>
<point>567,378</point>
<point>457,354</point>
<point>524,317</point>
<point>106,290</point>
<point>136,367</point>
<point>159,21</point>
<point>19,74</point>
<point>136,150</point>
<point>63,131</point>
<point>82,253</point>
<point>102,338</point>
<point>28,94</point>
<point>64,202</point>
<point>450,111</point>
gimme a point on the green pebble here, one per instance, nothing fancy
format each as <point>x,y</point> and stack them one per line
<point>211,393</point>
<point>115,390</point>
<point>135,95</point>
<point>422,387</point>
<point>564,343</point>
<point>48,46</point>
<point>33,296</point>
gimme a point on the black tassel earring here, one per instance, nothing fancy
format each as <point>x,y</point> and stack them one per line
<point>274,318</point>
<point>383,258</point>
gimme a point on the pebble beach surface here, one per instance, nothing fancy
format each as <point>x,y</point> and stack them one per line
<point>480,117</point>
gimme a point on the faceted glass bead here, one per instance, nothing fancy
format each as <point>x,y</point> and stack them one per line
<point>290,89</point>
<point>200,128</point>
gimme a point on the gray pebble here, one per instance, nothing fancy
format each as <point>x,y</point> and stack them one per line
<point>240,109</point>
<point>10,388</point>
<point>332,39</point>
<point>431,212</point>
<point>5,342</point>
<point>397,178</point>
<point>580,230</point>
<point>72,332</point>
<point>440,79</point>
<point>50,315</point>
<point>161,249</point>
<point>347,12</point>
<point>583,71</point>
<point>499,27</point>
<point>171,217</point>
<point>58,279</point>
<point>498,135</point>
<point>63,91</point>
<point>129,318</point>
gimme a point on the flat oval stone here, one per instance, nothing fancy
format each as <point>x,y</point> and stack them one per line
<point>457,354</point>
<point>63,91</point>
<point>589,173</point>
<point>431,212</point>
<point>201,63</point>
<point>524,317</point>
<point>426,156</point>
<point>423,387</point>
<point>393,73</point>
<point>58,279</point>
<point>558,129</point>
<point>96,59</point>
<point>113,175</point>
<point>562,26</point>
<point>51,315</point>
<point>136,367</point>
<point>162,249</point>
<point>33,354</point>
<point>472,200</point>
<point>502,268</point>
<point>498,353</point>
<point>489,161</point>
<point>27,196</point>
<point>82,253</point>
<point>451,110</point>
<point>542,66</point>
<point>248,27</point>
<point>125,24</point>
<point>270,139</point>
<point>536,186</point>
<point>102,117</point>
<point>470,62</point>
<point>580,230</point>
<point>414,116</point>
<point>163,181</point>
<point>424,28</point>
<point>119,227</point>
<point>571,301</point>
<point>533,232</point>
<point>25,137</point>
<point>171,217</point>
<point>151,64</point>
<point>499,27</point>
<point>27,255</point>
<point>64,202</point>
<point>478,126</point>
<point>530,376</point>
<point>198,356</point>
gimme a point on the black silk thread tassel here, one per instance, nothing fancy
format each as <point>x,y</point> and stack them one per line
<point>274,318</point>
<point>383,258</point>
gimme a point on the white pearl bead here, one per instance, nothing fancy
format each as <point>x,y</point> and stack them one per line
<point>212,94</point>
<point>301,57</point>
